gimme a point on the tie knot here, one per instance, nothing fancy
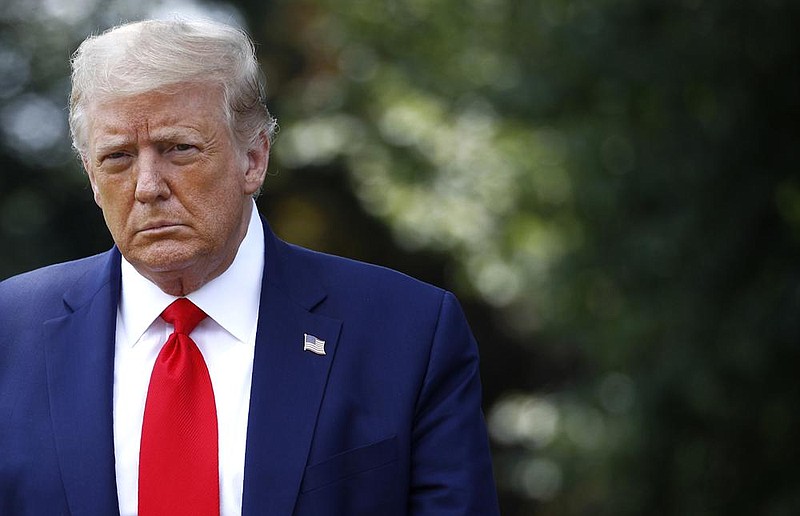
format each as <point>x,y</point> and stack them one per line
<point>183,315</point>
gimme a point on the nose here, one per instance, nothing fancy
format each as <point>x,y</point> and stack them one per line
<point>150,183</point>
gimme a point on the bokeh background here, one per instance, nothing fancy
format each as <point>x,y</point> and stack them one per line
<point>611,188</point>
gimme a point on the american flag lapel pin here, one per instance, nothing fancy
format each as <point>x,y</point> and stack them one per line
<point>313,344</point>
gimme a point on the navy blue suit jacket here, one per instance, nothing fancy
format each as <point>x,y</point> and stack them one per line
<point>388,422</point>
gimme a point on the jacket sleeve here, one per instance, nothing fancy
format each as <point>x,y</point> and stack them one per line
<point>451,470</point>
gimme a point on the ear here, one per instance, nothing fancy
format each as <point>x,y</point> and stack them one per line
<point>257,161</point>
<point>92,181</point>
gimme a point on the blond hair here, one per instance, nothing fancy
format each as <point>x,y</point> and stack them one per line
<point>159,56</point>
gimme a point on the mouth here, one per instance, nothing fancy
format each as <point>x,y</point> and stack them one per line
<point>159,227</point>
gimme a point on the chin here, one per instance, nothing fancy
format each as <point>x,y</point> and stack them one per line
<point>164,258</point>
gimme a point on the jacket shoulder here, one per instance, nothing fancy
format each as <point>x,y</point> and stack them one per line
<point>372,294</point>
<point>40,291</point>
<point>346,274</point>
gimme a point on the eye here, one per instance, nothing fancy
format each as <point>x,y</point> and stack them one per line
<point>183,147</point>
<point>114,156</point>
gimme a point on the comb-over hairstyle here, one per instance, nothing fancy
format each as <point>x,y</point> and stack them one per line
<point>162,56</point>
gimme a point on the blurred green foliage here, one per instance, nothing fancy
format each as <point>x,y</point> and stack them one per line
<point>610,186</point>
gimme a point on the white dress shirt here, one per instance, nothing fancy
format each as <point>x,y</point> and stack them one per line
<point>226,338</point>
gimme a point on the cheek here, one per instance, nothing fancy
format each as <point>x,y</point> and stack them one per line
<point>115,219</point>
<point>215,193</point>
<point>99,194</point>
<point>114,198</point>
<point>94,184</point>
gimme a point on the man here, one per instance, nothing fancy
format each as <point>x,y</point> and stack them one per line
<point>202,366</point>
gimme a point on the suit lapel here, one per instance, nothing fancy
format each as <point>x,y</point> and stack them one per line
<point>79,354</point>
<point>288,382</point>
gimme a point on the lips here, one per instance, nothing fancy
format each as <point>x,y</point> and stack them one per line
<point>159,226</point>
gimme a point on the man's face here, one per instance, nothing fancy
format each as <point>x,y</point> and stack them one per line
<point>173,186</point>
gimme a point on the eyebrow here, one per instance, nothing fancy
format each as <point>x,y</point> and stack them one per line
<point>170,134</point>
<point>107,142</point>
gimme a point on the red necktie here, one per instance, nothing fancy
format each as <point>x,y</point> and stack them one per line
<point>178,459</point>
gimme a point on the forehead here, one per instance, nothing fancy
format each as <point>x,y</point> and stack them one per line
<point>193,107</point>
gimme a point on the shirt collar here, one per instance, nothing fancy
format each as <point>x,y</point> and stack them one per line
<point>231,299</point>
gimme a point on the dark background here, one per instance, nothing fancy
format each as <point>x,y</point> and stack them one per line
<point>610,187</point>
